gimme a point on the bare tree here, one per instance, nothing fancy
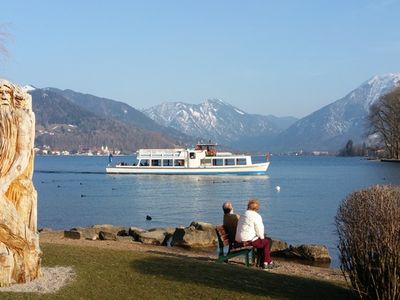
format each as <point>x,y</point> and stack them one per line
<point>368,226</point>
<point>384,119</point>
<point>3,38</point>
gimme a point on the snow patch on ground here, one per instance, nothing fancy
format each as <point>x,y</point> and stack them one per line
<point>239,111</point>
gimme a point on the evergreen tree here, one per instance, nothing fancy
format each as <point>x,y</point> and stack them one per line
<point>348,150</point>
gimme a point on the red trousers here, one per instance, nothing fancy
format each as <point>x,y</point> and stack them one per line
<point>262,246</point>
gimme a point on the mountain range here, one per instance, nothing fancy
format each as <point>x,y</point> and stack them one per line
<point>330,127</point>
<point>326,129</point>
<point>219,121</point>
<point>71,120</point>
<point>117,110</point>
<point>62,124</point>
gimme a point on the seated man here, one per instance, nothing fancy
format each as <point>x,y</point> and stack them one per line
<point>230,221</point>
<point>250,231</point>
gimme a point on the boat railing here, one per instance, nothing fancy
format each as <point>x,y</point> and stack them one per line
<point>160,153</point>
<point>224,154</point>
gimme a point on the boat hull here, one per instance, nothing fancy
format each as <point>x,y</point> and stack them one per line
<point>254,169</point>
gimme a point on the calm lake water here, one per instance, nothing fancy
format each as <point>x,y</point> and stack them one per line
<point>75,191</point>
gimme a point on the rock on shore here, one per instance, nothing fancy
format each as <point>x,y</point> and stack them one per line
<point>311,252</point>
<point>196,235</point>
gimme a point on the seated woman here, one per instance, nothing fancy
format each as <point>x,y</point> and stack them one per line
<point>250,230</point>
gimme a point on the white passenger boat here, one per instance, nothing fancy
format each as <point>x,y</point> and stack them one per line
<point>202,160</point>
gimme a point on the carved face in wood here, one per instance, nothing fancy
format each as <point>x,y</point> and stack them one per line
<point>19,101</point>
<point>5,94</point>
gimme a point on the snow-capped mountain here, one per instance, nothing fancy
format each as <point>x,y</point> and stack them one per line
<point>217,120</point>
<point>29,88</point>
<point>330,127</point>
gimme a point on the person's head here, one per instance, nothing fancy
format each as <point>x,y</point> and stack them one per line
<point>253,204</point>
<point>227,207</point>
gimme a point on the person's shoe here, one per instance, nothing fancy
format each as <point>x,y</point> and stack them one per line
<point>270,266</point>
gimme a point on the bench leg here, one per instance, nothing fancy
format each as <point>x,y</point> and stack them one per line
<point>225,258</point>
<point>246,259</point>
<point>255,258</point>
<point>222,258</point>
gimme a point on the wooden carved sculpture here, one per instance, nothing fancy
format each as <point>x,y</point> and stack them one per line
<point>20,254</point>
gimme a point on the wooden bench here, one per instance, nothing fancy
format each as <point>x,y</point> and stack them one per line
<point>234,249</point>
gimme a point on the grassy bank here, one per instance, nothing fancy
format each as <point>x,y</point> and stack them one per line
<point>112,274</point>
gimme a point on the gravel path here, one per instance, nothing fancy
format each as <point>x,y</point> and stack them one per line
<point>52,280</point>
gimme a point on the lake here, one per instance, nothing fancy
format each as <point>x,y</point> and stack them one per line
<point>75,191</point>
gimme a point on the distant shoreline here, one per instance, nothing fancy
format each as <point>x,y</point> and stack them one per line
<point>390,160</point>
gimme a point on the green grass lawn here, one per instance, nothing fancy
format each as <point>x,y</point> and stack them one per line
<point>111,274</point>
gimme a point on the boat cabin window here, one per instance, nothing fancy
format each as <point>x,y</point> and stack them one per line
<point>229,162</point>
<point>156,162</point>
<point>179,163</point>
<point>145,162</point>
<point>168,162</point>
<point>192,155</point>
<point>241,161</point>
<point>206,161</point>
<point>218,162</point>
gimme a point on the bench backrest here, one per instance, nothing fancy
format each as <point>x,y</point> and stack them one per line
<point>223,237</point>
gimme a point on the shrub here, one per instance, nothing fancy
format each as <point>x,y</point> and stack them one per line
<point>368,225</point>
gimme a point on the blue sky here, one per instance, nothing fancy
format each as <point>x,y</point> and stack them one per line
<point>267,57</point>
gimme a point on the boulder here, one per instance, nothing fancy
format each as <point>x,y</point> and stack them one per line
<point>92,232</point>
<point>123,232</point>
<point>134,232</point>
<point>318,253</point>
<point>72,234</point>
<point>101,226</point>
<point>117,230</point>
<point>87,233</point>
<point>202,226</point>
<point>107,236</point>
<point>153,236</point>
<point>77,228</point>
<point>45,229</point>
<point>278,246</point>
<point>311,252</point>
<point>198,235</point>
<point>92,237</point>
<point>156,237</point>
<point>168,230</point>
